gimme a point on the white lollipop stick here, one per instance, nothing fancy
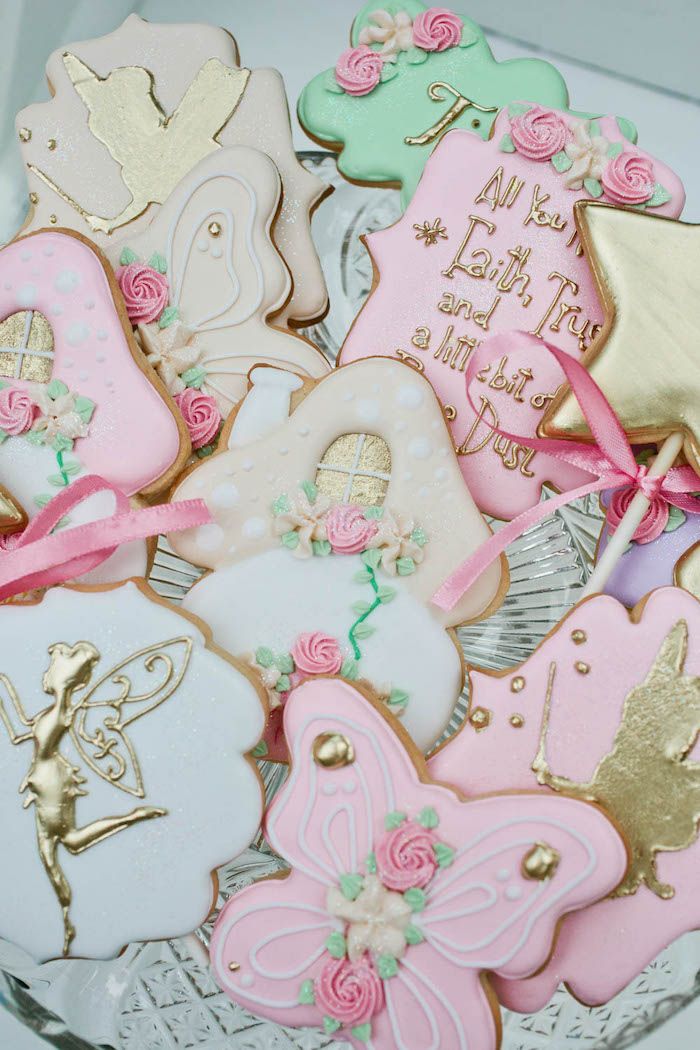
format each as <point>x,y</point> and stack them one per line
<point>623,534</point>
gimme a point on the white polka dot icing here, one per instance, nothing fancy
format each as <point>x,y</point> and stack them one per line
<point>420,448</point>
<point>225,495</point>
<point>409,396</point>
<point>66,282</point>
<point>26,295</point>
<point>77,333</point>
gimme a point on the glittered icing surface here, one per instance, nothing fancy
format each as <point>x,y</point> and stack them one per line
<point>498,249</point>
<point>400,894</point>
<point>610,707</point>
<point>420,79</point>
<point>92,757</point>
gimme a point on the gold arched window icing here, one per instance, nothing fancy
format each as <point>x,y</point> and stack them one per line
<point>356,468</point>
<point>26,347</point>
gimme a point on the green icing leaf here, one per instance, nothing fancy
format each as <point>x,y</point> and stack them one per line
<point>363,576</point>
<point>281,505</point>
<point>415,898</point>
<point>506,145</point>
<point>306,993</point>
<point>428,818</point>
<point>360,608</point>
<point>593,187</point>
<point>321,548</point>
<point>405,566</point>
<point>350,669</point>
<point>3,436</point>
<point>42,499</point>
<point>71,468</point>
<point>335,944</point>
<point>371,864</point>
<point>593,127</point>
<point>398,699</point>
<point>284,663</point>
<point>394,819</point>
<point>84,407</point>
<point>309,490</point>
<point>62,444</point>
<point>170,314</point>
<point>389,71</point>
<point>351,886</point>
<point>58,480</point>
<point>614,149</point>
<point>516,109</point>
<point>444,855</point>
<point>330,1025</point>
<point>658,197</point>
<point>283,684</point>
<point>386,595</point>
<point>387,967</point>
<point>260,750</point>
<point>290,540</point>
<point>676,518</point>
<point>372,557</point>
<point>62,523</point>
<point>374,513</point>
<point>194,377</point>
<point>331,84</point>
<point>363,630</point>
<point>157,262</point>
<point>561,161</point>
<point>418,536</point>
<point>468,38</point>
<point>35,437</point>
<point>413,935</point>
<point>363,1032</point>
<point>127,257</point>
<point>204,451</point>
<point>56,389</point>
<point>415,56</point>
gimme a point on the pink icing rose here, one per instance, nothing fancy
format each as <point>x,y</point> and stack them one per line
<point>539,133</point>
<point>359,69</point>
<point>317,653</point>
<point>652,524</point>
<point>351,993</point>
<point>201,414</point>
<point>348,530</point>
<point>437,29</point>
<point>17,411</point>
<point>145,292</point>
<point>628,179</point>
<point>405,857</point>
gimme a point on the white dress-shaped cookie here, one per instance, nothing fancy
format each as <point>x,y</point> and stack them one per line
<point>334,523</point>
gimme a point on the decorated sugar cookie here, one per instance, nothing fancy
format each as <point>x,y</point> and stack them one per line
<point>75,395</point>
<point>607,709</point>
<point>114,770</point>
<point>495,250</point>
<point>134,111</point>
<point>400,894</point>
<point>411,73</point>
<point>202,279</point>
<point>338,509</point>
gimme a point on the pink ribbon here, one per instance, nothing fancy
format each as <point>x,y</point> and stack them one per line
<point>611,461</point>
<point>38,557</point>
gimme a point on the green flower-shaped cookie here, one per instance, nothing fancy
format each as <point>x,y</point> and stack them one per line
<point>412,73</point>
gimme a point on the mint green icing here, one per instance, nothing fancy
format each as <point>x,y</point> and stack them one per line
<point>428,818</point>
<point>371,129</point>
<point>170,314</point>
<point>306,993</point>
<point>561,161</point>
<point>593,187</point>
<point>413,935</point>
<point>330,1025</point>
<point>506,145</point>
<point>387,967</point>
<point>363,1032</point>
<point>351,886</point>
<point>394,819</point>
<point>444,854</point>
<point>335,945</point>
<point>157,262</point>
<point>415,899</point>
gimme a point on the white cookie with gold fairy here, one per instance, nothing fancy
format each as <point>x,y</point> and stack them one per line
<point>134,111</point>
<point>202,279</point>
<point>338,510</point>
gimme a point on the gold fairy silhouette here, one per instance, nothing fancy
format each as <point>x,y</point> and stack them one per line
<point>646,782</point>
<point>153,150</point>
<point>53,784</point>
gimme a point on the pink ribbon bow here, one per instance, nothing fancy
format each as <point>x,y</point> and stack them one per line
<point>38,557</point>
<point>611,461</point>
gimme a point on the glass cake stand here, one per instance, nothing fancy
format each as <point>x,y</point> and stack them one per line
<point>161,995</point>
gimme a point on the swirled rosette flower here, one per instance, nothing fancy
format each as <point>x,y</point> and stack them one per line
<point>393,31</point>
<point>359,70</point>
<point>398,538</point>
<point>437,29</point>
<point>539,133</point>
<point>348,530</point>
<point>317,653</point>
<point>349,992</point>
<point>17,411</point>
<point>305,518</point>
<point>201,415</point>
<point>652,524</point>
<point>405,856</point>
<point>628,179</point>
<point>145,292</point>
<point>588,153</point>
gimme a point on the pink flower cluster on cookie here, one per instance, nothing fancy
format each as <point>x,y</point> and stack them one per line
<point>145,291</point>
<point>201,415</point>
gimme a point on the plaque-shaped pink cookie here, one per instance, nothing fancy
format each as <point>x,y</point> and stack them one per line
<point>607,709</point>
<point>488,244</point>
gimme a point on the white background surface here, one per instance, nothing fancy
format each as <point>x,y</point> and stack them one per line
<point>637,58</point>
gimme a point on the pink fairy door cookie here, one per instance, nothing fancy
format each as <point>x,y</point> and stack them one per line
<point>134,111</point>
<point>607,709</point>
<point>400,894</point>
<point>493,250</point>
<point>76,396</point>
<point>338,509</point>
<point>202,279</point>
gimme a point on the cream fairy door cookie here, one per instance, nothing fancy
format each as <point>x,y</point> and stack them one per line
<point>497,250</point>
<point>400,893</point>
<point>76,397</point>
<point>607,709</point>
<point>113,771</point>
<point>338,510</point>
<point>134,111</point>
<point>214,278</point>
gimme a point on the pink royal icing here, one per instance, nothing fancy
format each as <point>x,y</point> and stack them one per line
<point>428,947</point>
<point>590,666</point>
<point>489,252</point>
<point>406,857</point>
<point>145,291</point>
<point>437,29</point>
<point>201,415</point>
<point>17,411</point>
<point>317,653</point>
<point>359,70</point>
<point>348,530</point>
<point>628,178</point>
<point>652,524</point>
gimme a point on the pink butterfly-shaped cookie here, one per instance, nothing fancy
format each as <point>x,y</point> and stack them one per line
<point>401,894</point>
